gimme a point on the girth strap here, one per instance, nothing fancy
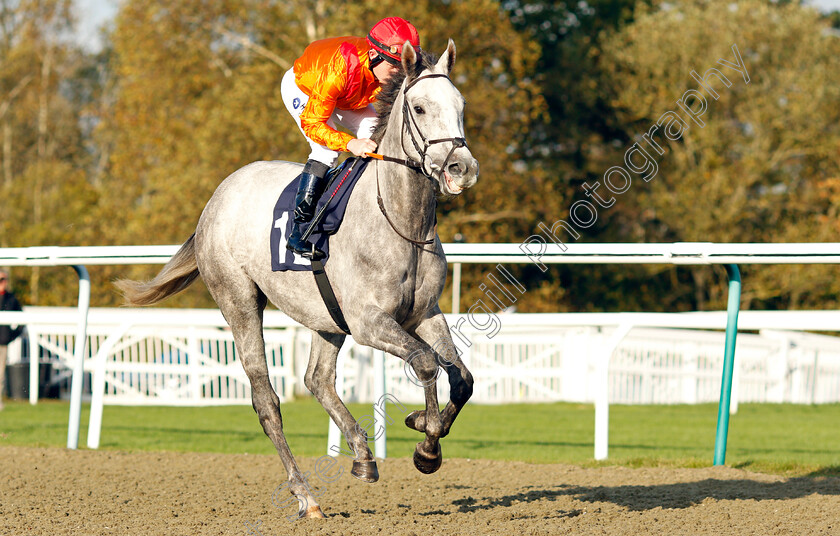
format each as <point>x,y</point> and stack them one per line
<point>328,295</point>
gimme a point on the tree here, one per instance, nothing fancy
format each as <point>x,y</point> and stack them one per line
<point>45,197</point>
<point>764,166</point>
<point>570,143</point>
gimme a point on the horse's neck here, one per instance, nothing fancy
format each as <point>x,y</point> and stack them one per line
<point>408,196</point>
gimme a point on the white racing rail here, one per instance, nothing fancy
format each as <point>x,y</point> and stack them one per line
<point>536,249</point>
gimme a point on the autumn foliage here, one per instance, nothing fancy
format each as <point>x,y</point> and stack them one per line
<point>125,145</point>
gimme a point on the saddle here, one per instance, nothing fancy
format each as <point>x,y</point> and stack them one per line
<point>328,215</point>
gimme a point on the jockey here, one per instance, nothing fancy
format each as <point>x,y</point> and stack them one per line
<point>334,82</point>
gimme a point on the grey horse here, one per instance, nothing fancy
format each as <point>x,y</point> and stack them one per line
<point>386,265</point>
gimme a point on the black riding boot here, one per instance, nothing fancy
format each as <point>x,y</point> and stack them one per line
<point>312,184</point>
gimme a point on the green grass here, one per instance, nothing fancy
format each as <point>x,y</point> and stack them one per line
<point>777,438</point>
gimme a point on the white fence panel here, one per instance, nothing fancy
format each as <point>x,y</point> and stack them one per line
<point>534,358</point>
<point>650,366</point>
<point>164,364</point>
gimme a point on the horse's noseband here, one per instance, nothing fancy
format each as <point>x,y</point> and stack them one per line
<point>423,152</point>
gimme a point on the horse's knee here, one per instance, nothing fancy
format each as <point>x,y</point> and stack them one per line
<point>425,366</point>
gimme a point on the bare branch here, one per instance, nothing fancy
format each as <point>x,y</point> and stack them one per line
<point>7,102</point>
<point>253,47</point>
<point>220,63</point>
<point>242,40</point>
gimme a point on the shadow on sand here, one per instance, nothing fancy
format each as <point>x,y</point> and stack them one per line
<point>679,495</point>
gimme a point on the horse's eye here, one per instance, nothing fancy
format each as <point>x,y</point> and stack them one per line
<point>419,110</point>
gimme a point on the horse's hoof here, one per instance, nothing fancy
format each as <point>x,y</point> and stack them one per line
<point>416,420</point>
<point>426,463</point>
<point>314,512</point>
<point>365,471</point>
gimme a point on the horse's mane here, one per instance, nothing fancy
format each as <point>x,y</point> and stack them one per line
<point>391,90</point>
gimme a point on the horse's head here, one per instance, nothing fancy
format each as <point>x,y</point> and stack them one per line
<point>432,131</point>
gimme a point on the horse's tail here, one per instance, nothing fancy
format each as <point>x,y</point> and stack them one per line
<point>175,276</point>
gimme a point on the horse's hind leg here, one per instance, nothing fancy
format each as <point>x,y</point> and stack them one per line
<point>320,379</point>
<point>242,305</point>
<point>435,332</point>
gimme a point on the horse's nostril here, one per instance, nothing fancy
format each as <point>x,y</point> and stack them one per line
<point>456,170</point>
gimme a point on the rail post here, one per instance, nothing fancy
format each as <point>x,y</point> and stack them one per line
<point>728,361</point>
<point>79,356</point>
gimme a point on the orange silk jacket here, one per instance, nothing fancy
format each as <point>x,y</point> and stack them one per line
<point>335,73</point>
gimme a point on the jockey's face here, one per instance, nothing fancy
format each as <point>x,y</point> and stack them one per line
<point>384,71</point>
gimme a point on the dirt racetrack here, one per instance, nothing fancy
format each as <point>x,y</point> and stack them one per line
<point>56,491</point>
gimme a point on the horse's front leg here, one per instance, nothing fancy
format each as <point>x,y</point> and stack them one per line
<point>320,380</point>
<point>379,330</point>
<point>435,332</point>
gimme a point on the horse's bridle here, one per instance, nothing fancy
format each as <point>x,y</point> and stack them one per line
<point>408,122</point>
<point>411,163</point>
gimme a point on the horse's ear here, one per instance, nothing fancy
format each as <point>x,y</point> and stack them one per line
<point>409,59</point>
<point>447,60</point>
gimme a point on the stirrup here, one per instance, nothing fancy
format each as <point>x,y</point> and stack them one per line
<point>307,250</point>
<point>313,253</point>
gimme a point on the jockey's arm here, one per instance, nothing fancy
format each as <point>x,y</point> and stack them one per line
<point>320,107</point>
<point>314,119</point>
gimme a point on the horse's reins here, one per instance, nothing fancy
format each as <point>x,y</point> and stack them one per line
<point>317,219</point>
<point>411,163</point>
<point>394,227</point>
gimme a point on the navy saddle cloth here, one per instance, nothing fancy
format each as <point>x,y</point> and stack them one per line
<point>341,181</point>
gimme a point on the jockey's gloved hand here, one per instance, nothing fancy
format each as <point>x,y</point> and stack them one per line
<point>360,146</point>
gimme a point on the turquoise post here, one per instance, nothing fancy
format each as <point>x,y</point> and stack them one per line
<point>728,361</point>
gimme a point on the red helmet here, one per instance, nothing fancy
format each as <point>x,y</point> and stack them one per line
<point>388,35</point>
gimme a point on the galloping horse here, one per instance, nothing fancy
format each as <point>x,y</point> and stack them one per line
<point>386,265</point>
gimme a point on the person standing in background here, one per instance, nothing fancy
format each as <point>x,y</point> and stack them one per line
<point>8,302</point>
